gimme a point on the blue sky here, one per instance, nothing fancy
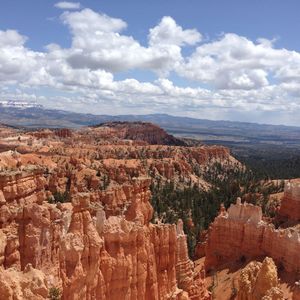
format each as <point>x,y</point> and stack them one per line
<point>236,60</point>
<point>253,19</point>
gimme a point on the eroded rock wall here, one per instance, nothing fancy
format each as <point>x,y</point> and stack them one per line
<point>101,246</point>
<point>30,228</point>
<point>240,233</point>
<point>117,258</point>
<point>290,203</point>
<point>187,279</point>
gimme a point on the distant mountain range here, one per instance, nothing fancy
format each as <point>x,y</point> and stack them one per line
<point>217,132</point>
<point>273,148</point>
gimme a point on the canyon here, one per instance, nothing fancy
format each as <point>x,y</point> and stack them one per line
<point>76,219</point>
<point>99,243</point>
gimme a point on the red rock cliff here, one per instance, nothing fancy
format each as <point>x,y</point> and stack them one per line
<point>241,232</point>
<point>105,248</point>
<point>102,245</point>
<point>123,258</point>
<point>290,203</point>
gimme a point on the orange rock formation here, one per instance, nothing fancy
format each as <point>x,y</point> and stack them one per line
<point>259,281</point>
<point>140,131</point>
<point>27,284</point>
<point>241,233</point>
<point>102,244</point>
<point>290,203</point>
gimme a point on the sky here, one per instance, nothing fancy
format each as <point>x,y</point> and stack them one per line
<point>222,60</point>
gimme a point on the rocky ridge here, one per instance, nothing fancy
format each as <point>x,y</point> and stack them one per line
<point>87,254</point>
<point>242,234</point>
<point>101,245</point>
<point>290,203</point>
<point>140,131</point>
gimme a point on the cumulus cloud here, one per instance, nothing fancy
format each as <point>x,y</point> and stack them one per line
<point>234,62</point>
<point>167,32</point>
<point>88,21</point>
<point>67,5</point>
<point>16,61</point>
<point>238,74</point>
<point>98,43</point>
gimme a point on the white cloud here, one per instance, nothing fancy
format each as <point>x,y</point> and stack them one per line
<point>239,75</point>
<point>87,21</point>
<point>17,63</point>
<point>97,43</point>
<point>167,32</point>
<point>234,62</point>
<point>11,38</point>
<point>67,5</point>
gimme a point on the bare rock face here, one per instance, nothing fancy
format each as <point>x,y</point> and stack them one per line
<point>124,259</point>
<point>259,281</point>
<point>101,245</point>
<point>80,254</point>
<point>26,285</point>
<point>187,279</point>
<point>30,228</point>
<point>229,235</point>
<point>22,186</point>
<point>93,253</point>
<point>296,291</point>
<point>290,203</point>
<point>240,233</point>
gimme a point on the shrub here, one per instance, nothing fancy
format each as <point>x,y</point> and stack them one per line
<point>59,197</point>
<point>54,293</point>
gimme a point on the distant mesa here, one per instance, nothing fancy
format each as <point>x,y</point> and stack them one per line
<point>143,131</point>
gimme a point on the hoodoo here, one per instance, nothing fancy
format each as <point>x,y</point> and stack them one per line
<point>76,221</point>
<point>78,225</point>
<point>241,232</point>
<point>290,203</point>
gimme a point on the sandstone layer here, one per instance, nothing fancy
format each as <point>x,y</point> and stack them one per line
<point>290,203</point>
<point>259,281</point>
<point>240,234</point>
<point>75,216</point>
<point>90,256</point>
